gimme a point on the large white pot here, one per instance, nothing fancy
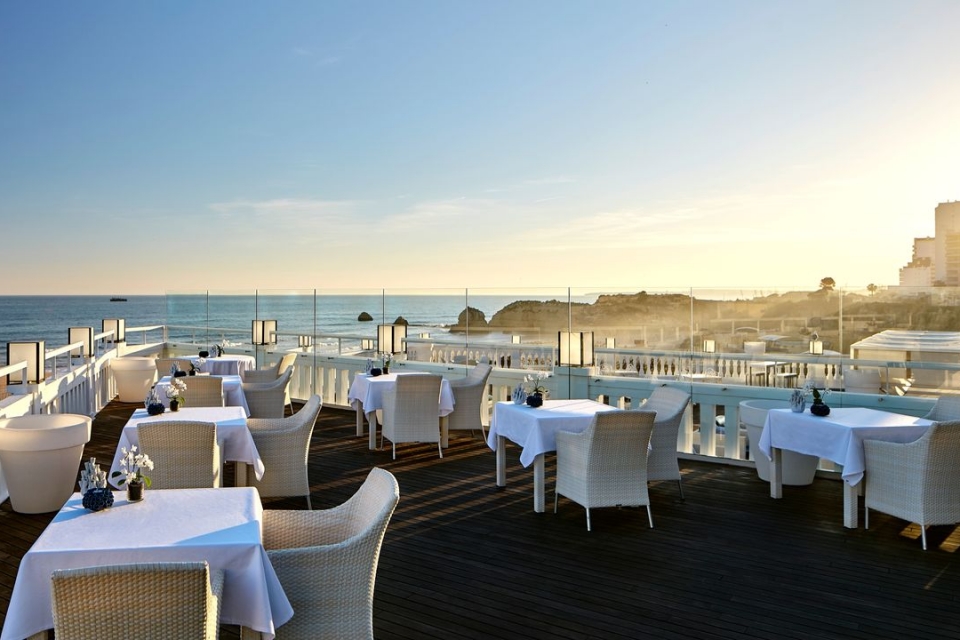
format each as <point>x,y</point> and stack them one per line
<point>40,458</point>
<point>798,469</point>
<point>134,377</point>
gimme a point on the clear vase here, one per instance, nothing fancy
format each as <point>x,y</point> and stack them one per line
<point>134,491</point>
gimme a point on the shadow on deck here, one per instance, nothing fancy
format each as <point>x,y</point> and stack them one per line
<point>464,560</point>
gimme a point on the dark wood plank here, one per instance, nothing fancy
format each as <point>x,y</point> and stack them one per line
<point>462,559</point>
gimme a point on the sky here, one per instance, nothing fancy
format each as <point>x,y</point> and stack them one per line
<point>154,147</point>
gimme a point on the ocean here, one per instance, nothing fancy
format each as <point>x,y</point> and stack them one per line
<point>209,318</point>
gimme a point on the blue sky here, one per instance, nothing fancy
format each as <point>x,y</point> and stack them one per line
<point>160,146</point>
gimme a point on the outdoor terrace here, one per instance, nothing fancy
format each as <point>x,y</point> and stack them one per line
<point>464,560</point>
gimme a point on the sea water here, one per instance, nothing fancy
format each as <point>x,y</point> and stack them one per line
<point>209,318</point>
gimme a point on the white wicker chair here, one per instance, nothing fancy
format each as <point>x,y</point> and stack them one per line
<point>284,446</point>
<point>203,391</point>
<point>185,453</point>
<point>267,399</point>
<point>182,600</point>
<point>670,405</point>
<point>411,411</point>
<point>327,560</point>
<point>272,372</point>
<point>468,396</point>
<point>606,465</point>
<point>945,408</point>
<point>915,481</point>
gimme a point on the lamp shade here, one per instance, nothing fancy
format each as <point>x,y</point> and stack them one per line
<point>84,335</point>
<point>576,348</point>
<point>31,352</point>
<point>366,344</point>
<point>515,339</point>
<point>611,343</point>
<point>391,337</point>
<point>305,342</point>
<point>816,347</point>
<point>709,346</point>
<point>118,326</point>
<point>264,332</point>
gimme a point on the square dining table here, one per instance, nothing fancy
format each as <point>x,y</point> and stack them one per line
<point>366,396</point>
<point>221,526</point>
<point>232,392</point>
<point>535,430</point>
<point>838,437</point>
<point>236,443</point>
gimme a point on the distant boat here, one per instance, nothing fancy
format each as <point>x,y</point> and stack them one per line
<point>118,299</point>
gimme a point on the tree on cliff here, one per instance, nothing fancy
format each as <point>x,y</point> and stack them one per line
<point>827,284</point>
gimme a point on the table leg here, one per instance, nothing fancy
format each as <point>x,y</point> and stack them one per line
<point>359,418</point>
<point>239,474</point>
<point>539,493</point>
<point>372,419</point>
<point>444,431</point>
<point>776,473</point>
<point>851,504</point>
<point>246,633</point>
<point>501,461</point>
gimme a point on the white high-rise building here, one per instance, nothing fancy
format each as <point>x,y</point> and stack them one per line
<point>919,272</point>
<point>947,234</point>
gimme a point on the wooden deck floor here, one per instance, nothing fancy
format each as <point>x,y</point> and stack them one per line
<point>464,560</point>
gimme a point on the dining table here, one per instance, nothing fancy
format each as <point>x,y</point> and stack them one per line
<point>233,395</point>
<point>221,526</point>
<point>236,443</point>
<point>535,430</point>
<point>837,437</point>
<point>366,397</point>
<point>228,365</point>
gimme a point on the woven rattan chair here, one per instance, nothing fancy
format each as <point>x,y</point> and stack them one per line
<point>271,373</point>
<point>606,465</point>
<point>670,405</point>
<point>184,452</point>
<point>411,411</point>
<point>946,408</point>
<point>181,600</point>
<point>164,365</point>
<point>284,446</point>
<point>468,396</point>
<point>915,481</point>
<point>327,561</point>
<point>203,391</point>
<point>267,399</point>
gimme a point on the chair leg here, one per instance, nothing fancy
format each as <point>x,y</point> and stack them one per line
<point>650,516</point>
<point>309,506</point>
<point>394,450</point>
<point>440,449</point>
<point>866,517</point>
<point>588,519</point>
<point>923,536</point>
<point>556,499</point>
<point>680,484</point>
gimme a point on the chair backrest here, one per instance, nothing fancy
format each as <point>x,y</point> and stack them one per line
<point>164,365</point>
<point>284,446</point>
<point>286,362</point>
<point>336,551</point>
<point>670,404</point>
<point>468,396</point>
<point>184,453</point>
<point>945,408</point>
<point>266,399</point>
<point>184,601</point>
<point>617,443</point>
<point>410,409</point>
<point>862,381</point>
<point>203,391</point>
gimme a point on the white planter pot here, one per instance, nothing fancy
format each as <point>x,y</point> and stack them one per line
<point>798,469</point>
<point>134,377</point>
<point>40,459</point>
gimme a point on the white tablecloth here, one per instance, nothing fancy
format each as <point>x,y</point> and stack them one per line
<point>232,392</point>
<point>232,434</point>
<point>839,436</point>
<point>535,430</point>
<point>221,526</point>
<point>228,365</point>
<point>369,390</point>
